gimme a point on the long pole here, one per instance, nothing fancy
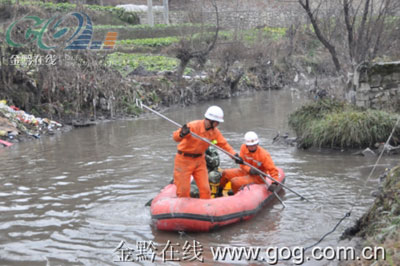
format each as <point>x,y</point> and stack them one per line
<point>141,105</point>
<point>279,198</point>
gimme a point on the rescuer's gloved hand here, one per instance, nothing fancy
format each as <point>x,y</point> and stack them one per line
<point>253,171</point>
<point>184,131</point>
<point>273,187</point>
<point>238,159</point>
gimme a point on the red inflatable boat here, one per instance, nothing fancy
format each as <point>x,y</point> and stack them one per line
<point>171,213</point>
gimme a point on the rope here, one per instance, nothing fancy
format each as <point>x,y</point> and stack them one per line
<point>377,161</point>
<point>359,193</point>
<point>330,232</point>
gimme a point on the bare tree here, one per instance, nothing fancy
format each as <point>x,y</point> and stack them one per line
<point>320,35</point>
<point>368,25</point>
<point>189,49</point>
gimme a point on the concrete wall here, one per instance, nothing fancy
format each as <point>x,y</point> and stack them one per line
<point>377,86</point>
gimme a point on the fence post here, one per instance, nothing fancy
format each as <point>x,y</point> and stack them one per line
<point>150,18</point>
<point>166,12</point>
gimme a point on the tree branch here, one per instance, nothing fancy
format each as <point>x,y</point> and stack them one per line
<point>320,36</point>
<point>383,10</point>
<point>185,53</point>
<point>349,27</point>
<point>214,41</point>
<point>361,32</point>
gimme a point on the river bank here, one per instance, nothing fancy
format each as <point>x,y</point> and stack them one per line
<point>88,173</point>
<point>16,125</point>
<point>70,199</point>
<point>64,85</point>
<point>380,225</point>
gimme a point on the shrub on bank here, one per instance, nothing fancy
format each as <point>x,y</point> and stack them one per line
<point>331,124</point>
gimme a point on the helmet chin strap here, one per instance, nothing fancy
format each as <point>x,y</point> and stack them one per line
<point>254,149</point>
<point>211,124</point>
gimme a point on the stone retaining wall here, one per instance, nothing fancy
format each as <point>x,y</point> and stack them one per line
<point>245,15</point>
<point>230,19</point>
<point>377,86</point>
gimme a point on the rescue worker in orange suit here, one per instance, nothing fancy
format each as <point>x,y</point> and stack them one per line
<point>258,157</point>
<point>190,158</point>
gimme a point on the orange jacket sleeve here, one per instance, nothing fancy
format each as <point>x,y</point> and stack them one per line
<point>269,166</point>
<point>176,136</point>
<point>192,127</point>
<point>261,157</point>
<point>243,155</point>
<point>191,144</point>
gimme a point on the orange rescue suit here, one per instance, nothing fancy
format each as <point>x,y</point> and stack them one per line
<point>239,177</point>
<point>190,159</point>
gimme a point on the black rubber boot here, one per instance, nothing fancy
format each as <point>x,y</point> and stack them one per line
<point>219,193</point>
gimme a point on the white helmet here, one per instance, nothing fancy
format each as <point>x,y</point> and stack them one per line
<point>214,113</point>
<point>250,138</point>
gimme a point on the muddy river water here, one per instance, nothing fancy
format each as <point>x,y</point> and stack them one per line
<point>71,199</point>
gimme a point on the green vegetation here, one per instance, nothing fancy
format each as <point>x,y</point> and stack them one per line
<point>146,36</point>
<point>254,35</point>
<point>166,41</point>
<point>143,31</point>
<point>129,106</point>
<point>66,6</point>
<point>125,16</point>
<point>125,63</point>
<point>156,26</point>
<point>150,42</point>
<point>331,124</point>
<point>250,36</point>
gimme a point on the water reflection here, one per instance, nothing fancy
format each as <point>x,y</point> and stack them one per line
<point>71,199</point>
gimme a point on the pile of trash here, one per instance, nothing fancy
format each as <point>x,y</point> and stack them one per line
<point>15,122</point>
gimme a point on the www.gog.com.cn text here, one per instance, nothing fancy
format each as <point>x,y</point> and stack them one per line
<point>194,251</point>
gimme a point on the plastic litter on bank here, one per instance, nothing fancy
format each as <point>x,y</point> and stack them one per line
<point>14,121</point>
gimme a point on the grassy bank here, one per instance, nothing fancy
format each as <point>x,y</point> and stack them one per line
<point>380,226</point>
<point>333,124</point>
